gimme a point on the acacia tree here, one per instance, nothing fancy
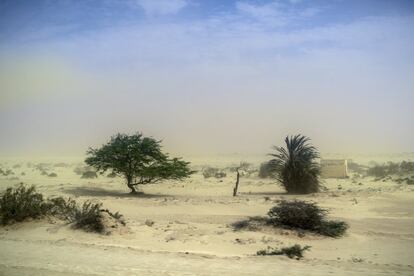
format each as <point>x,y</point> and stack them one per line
<point>295,166</point>
<point>138,159</point>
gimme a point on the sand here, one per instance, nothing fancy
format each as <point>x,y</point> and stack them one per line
<point>183,227</point>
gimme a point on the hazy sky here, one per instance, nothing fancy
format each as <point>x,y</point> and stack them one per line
<point>206,76</point>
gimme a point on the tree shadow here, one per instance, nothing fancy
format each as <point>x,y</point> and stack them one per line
<point>264,193</point>
<point>99,192</point>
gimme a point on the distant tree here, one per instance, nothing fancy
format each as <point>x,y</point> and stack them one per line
<point>138,159</point>
<point>295,166</point>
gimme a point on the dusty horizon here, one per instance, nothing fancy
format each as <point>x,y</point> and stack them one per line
<point>219,78</point>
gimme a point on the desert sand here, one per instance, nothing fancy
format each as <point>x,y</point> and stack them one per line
<point>183,227</point>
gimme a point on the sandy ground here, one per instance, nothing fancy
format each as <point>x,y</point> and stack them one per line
<point>191,233</point>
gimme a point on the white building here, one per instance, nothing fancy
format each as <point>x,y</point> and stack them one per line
<point>334,168</point>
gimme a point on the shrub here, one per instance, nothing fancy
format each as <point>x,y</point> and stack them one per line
<point>295,251</point>
<point>213,172</point>
<point>52,175</point>
<point>89,174</point>
<point>265,170</point>
<point>332,228</point>
<point>296,167</point>
<point>252,223</point>
<point>391,168</point>
<point>21,203</point>
<point>407,166</point>
<point>297,214</point>
<point>306,216</point>
<point>88,216</point>
<point>111,175</point>
<point>355,167</point>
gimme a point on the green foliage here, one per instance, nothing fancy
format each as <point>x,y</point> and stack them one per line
<point>21,203</point>
<point>296,167</point>
<point>295,251</point>
<point>306,216</point>
<point>332,228</point>
<point>88,217</point>
<point>138,159</point>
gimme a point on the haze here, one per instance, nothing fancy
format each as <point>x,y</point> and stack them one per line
<point>206,76</point>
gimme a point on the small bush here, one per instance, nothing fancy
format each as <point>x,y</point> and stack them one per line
<point>297,214</point>
<point>355,167</point>
<point>7,172</point>
<point>252,223</point>
<point>213,172</point>
<point>52,175</point>
<point>21,203</point>
<point>89,174</point>
<point>111,175</point>
<point>306,216</point>
<point>391,168</point>
<point>265,170</point>
<point>295,251</point>
<point>80,169</point>
<point>332,228</point>
<point>88,217</point>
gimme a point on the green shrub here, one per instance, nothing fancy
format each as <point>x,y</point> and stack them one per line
<point>21,203</point>
<point>18,204</point>
<point>297,214</point>
<point>295,251</point>
<point>52,175</point>
<point>306,216</point>
<point>332,228</point>
<point>88,217</point>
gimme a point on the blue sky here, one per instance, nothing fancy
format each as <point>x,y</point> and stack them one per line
<point>203,74</point>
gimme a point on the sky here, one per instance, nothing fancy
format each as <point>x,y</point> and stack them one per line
<point>206,77</point>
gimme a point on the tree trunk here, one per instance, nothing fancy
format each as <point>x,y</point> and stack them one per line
<point>237,183</point>
<point>129,184</point>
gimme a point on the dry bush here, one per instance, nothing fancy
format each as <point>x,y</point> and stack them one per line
<point>295,251</point>
<point>213,172</point>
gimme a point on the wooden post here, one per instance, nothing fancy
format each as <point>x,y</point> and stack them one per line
<point>237,183</point>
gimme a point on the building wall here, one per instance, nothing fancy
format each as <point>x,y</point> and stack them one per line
<point>334,168</point>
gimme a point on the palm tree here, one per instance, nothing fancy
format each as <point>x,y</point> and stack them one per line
<point>295,166</point>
